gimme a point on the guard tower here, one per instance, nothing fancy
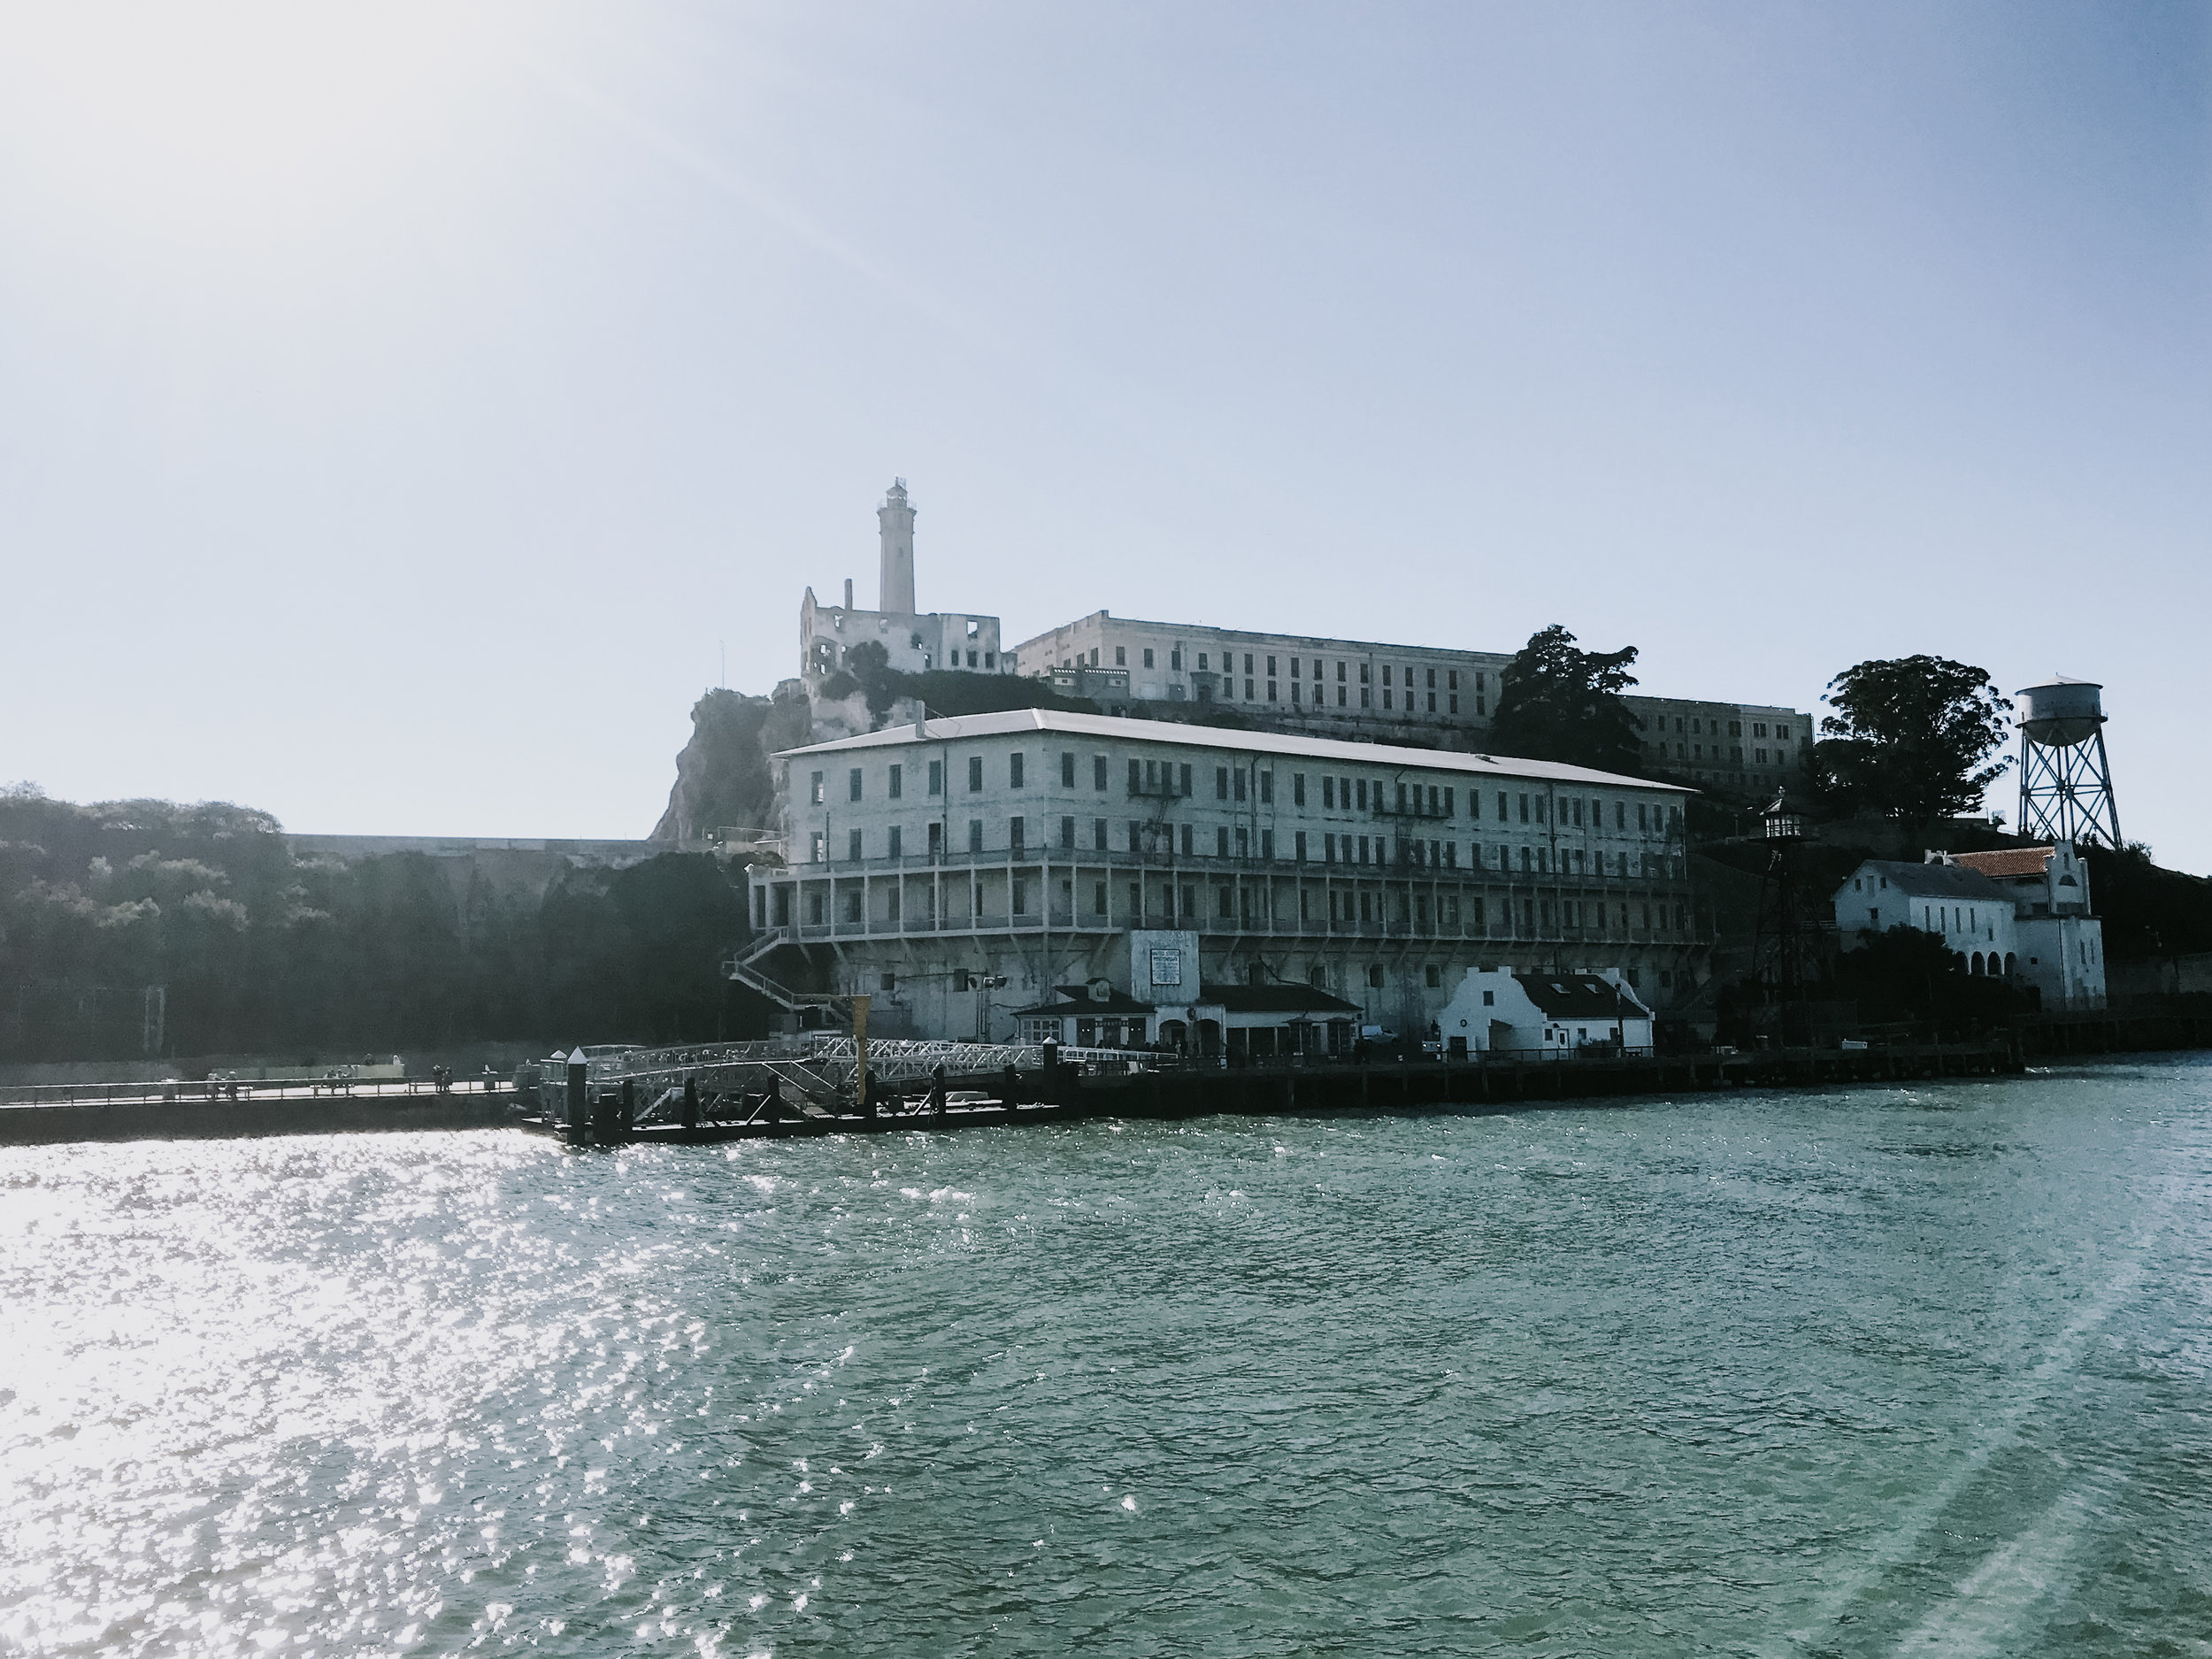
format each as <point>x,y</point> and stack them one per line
<point>2065,780</point>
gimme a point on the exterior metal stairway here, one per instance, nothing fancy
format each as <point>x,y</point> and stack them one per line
<point>744,969</point>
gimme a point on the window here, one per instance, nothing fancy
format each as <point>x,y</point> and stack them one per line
<point>1175,659</point>
<point>1017,830</point>
<point>1098,772</point>
<point>891,838</point>
<point>1136,776</point>
<point>1182,781</point>
<point>1121,657</point>
<point>936,776</point>
<point>1067,834</point>
<point>1524,809</point>
<point>1018,894</point>
<point>1098,836</point>
<point>1374,970</point>
<point>1267,787</point>
<point>1014,770</point>
<point>975,835</point>
<point>898,782</point>
<point>1434,975</point>
<point>1201,662</point>
<point>1187,840</point>
<point>814,792</point>
<point>1247,662</point>
<point>1221,783</point>
<point>1267,843</point>
<point>852,784</point>
<point>1362,794</point>
<point>819,848</point>
<point>1067,770</point>
<point>1221,841</point>
<point>1244,843</point>
<point>936,840</point>
<point>1298,847</point>
<point>1328,794</point>
<point>1148,656</point>
<point>852,846</point>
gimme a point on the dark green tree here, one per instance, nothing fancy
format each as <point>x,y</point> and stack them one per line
<point>1908,738</point>
<point>870,665</point>
<point>1556,702</point>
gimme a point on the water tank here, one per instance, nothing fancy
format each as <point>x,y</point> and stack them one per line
<point>2060,714</point>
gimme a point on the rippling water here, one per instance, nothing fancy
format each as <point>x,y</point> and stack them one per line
<point>1863,1372</point>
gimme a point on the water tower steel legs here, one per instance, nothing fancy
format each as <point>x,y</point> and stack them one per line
<point>2066,793</point>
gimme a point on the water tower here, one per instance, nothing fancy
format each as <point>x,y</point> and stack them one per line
<point>2065,781</point>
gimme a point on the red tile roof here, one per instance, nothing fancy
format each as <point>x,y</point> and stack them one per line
<point>2011,863</point>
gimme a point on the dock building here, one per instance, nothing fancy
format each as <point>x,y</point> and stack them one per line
<point>974,872</point>
<point>1368,691</point>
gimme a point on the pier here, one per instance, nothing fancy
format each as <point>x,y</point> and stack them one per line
<point>1052,1090</point>
<point>708,1094</point>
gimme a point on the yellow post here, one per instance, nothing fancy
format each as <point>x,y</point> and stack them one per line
<point>860,1043</point>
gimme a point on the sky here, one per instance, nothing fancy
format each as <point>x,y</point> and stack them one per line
<point>406,411</point>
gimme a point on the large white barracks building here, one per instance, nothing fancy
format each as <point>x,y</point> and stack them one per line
<point>984,875</point>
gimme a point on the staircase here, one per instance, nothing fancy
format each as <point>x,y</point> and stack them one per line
<point>744,969</point>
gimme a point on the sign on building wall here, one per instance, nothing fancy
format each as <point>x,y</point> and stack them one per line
<point>1167,967</point>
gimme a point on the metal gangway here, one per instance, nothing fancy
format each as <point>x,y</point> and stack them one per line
<point>820,1069</point>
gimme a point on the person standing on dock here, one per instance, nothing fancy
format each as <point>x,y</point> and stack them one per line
<point>937,1091</point>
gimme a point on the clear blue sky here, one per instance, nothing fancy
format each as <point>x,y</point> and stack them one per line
<point>400,411</point>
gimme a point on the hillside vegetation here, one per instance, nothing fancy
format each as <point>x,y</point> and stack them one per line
<point>258,952</point>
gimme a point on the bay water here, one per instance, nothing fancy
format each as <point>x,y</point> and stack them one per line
<point>1918,1369</point>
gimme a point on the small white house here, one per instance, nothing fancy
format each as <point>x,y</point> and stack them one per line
<point>1547,1016</point>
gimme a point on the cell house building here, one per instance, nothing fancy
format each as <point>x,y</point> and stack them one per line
<point>1199,885</point>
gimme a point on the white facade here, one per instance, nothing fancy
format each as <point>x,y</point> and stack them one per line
<point>1545,1016</point>
<point>1365,691</point>
<point>2021,915</point>
<point>1033,845</point>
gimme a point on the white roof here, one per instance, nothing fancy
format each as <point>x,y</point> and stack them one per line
<point>959,728</point>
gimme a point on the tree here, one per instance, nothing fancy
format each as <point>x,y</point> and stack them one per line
<point>1555,703</point>
<point>1908,738</point>
<point>870,665</point>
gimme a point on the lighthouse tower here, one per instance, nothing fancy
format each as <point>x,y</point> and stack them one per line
<point>895,592</point>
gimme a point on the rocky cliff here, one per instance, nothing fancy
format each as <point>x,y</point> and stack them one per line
<point>723,775</point>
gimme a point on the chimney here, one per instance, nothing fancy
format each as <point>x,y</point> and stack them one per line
<point>849,593</point>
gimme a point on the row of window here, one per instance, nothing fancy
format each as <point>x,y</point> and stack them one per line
<point>1297,671</point>
<point>1171,780</point>
<point>1160,840</point>
<point>1422,911</point>
<point>1696,751</point>
<point>1782,731</point>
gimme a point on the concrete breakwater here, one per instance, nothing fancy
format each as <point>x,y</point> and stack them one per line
<point>199,1117</point>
